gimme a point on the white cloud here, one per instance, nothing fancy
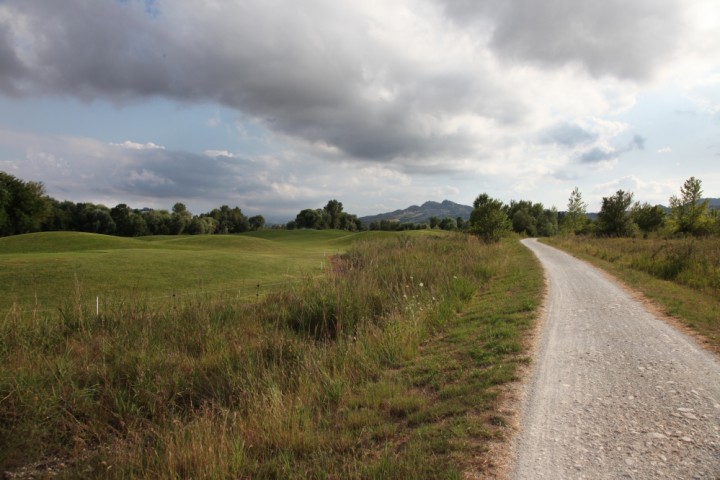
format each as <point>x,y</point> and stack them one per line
<point>219,153</point>
<point>705,93</point>
<point>651,191</point>
<point>376,101</point>
<point>137,146</point>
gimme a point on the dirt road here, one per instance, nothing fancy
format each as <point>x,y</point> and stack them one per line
<point>615,392</point>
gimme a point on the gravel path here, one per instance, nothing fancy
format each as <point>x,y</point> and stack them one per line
<point>615,392</point>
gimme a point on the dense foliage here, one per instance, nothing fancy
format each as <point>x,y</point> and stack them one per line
<point>23,205</point>
<point>25,208</point>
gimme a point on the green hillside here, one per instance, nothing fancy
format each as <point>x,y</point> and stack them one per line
<point>45,271</point>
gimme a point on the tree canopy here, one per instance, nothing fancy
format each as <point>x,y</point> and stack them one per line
<point>689,211</point>
<point>488,219</point>
<point>23,205</point>
<point>614,219</point>
<point>575,219</point>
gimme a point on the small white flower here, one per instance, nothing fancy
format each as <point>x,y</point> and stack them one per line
<point>421,284</point>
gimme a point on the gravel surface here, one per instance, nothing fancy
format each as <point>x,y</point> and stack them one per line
<point>615,391</point>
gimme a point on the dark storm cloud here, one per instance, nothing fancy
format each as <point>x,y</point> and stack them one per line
<point>598,155</point>
<point>636,142</point>
<point>176,174</point>
<point>568,135</point>
<point>311,71</point>
<point>612,37</point>
<point>11,68</point>
<point>323,71</point>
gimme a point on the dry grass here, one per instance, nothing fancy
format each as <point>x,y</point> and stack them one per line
<point>682,275</point>
<point>294,385</point>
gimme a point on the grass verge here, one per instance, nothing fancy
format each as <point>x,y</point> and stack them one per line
<point>442,407</point>
<point>680,275</point>
<point>387,367</point>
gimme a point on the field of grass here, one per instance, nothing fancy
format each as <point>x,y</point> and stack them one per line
<point>42,271</point>
<point>383,364</point>
<point>683,275</point>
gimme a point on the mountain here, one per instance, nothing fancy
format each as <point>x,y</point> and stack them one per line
<point>422,213</point>
<point>713,202</point>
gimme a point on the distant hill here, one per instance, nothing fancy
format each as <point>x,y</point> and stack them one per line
<point>713,202</point>
<point>422,213</point>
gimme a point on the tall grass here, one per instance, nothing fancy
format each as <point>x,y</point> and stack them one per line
<point>217,388</point>
<point>683,274</point>
<point>693,262</point>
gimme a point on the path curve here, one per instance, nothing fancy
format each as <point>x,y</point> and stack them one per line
<point>615,392</point>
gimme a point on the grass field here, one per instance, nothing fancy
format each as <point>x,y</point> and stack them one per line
<point>682,275</point>
<point>382,364</point>
<point>44,270</point>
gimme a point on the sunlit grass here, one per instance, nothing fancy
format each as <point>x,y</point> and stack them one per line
<point>682,275</point>
<point>375,369</point>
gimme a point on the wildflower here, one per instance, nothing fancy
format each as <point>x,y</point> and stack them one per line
<point>421,284</point>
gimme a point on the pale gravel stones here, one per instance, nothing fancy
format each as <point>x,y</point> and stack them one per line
<point>616,393</point>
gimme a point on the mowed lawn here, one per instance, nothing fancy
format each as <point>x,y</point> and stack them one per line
<point>45,271</point>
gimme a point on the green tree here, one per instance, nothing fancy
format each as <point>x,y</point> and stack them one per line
<point>60,218</point>
<point>689,211</point>
<point>333,209</point>
<point>180,218</point>
<point>199,226</point>
<point>488,220</point>
<point>309,218</point>
<point>257,222</point>
<point>23,205</point>
<point>575,219</point>
<point>138,227</point>
<point>648,218</point>
<point>121,214</point>
<point>158,222</point>
<point>95,219</point>
<point>350,222</point>
<point>532,219</point>
<point>447,223</point>
<point>614,218</point>
<point>547,224</point>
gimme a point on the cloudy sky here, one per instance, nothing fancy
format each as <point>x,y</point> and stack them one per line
<point>279,105</point>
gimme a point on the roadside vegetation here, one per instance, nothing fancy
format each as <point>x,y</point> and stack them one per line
<point>672,257</point>
<point>315,350</point>
<point>386,365</point>
<point>681,274</point>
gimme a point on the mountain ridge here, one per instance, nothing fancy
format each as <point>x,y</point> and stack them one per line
<point>422,213</point>
<point>448,208</point>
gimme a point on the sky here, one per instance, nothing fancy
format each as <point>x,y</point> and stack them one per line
<point>279,105</point>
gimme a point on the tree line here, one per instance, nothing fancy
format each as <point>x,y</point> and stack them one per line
<point>25,208</point>
<point>619,216</point>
